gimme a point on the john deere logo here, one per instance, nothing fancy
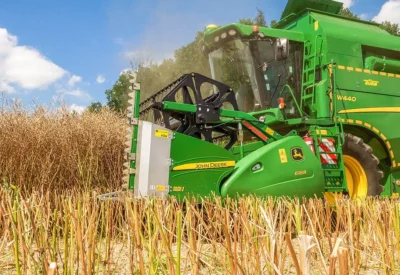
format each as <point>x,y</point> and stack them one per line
<point>297,154</point>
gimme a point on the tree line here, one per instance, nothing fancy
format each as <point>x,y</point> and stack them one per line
<point>187,59</point>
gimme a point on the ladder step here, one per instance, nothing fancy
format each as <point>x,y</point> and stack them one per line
<point>308,83</point>
<point>308,70</point>
<point>309,56</point>
<point>332,170</point>
<point>308,96</point>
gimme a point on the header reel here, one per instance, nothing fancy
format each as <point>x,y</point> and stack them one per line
<point>208,95</point>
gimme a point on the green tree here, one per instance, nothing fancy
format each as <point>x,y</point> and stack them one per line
<point>259,20</point>
<point>95,107</point>
<point>391,28</point>
<point>189,58</point>
<point>153,77</point>
<point>246,21</point>
<point>117,95</point>
<point>347,13</point>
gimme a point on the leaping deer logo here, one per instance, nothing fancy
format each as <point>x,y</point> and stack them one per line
<point>297,154</point>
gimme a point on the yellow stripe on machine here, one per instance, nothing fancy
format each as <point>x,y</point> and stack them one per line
<point>372,110</point>
<point>205,165</point>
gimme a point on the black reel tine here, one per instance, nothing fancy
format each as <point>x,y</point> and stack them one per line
<point>200,124</point>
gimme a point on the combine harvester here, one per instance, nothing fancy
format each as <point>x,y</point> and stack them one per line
<point>309,108</point>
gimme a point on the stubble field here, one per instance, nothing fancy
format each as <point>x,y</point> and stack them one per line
<point>53,165</point>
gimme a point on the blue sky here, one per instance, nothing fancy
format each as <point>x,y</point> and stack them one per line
<point>75,50</point>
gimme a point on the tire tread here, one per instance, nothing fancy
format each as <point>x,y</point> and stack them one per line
<point>355,147</point>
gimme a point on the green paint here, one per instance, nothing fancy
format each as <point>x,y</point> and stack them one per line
<point>327,83</point>
<point>188,108</point>
<point>277,176</point>
<point>193,182</point>
<point>134,138</point>
<point>337,54</point>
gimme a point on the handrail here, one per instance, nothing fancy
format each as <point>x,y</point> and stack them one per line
<point>294,98</point>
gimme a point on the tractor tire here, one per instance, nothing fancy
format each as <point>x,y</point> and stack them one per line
<point>356,148</point>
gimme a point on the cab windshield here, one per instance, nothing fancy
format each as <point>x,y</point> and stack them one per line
<point>255,72</point>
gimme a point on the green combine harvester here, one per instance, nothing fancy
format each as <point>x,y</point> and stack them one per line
<point>309,108</point>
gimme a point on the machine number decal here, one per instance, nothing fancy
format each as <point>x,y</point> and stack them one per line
<point>297,154</point>
<point>178,188</point>
<point>347,98</point>
<point>160,188</point>
<point>282,155</point>
<point>300,173</point>
<point>205,165</point>
<point>370,82</point>
<point>161,133</point>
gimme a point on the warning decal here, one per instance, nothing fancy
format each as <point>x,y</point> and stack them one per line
<point>282,155</point>
<point>161,133</point>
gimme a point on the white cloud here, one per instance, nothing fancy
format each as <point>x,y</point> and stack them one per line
<point>124,71</point>
<point>347,3</point>
<point>78,93</point>
<point>390,11</point>
<point>73,80</point>
<point>363,16</point>
<point>24,66</point>
<point>77,108</point>
<point>5,87</point>
<point>100,79</point>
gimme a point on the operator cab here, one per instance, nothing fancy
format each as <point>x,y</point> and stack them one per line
<point>260,69</point>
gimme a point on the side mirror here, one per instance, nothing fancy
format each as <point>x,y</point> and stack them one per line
<point>281,49</point>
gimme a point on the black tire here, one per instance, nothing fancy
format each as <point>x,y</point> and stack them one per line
<point>356,148</point>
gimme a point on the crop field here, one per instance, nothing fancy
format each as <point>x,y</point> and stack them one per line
<point>53,165</point>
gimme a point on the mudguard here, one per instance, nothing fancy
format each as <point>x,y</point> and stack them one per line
<point>286,167</point>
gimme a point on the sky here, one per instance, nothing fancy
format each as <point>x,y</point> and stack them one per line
<point>72,51</point>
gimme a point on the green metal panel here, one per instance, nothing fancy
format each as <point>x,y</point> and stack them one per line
<point>294,7</point>
<point>247,149</point>
<point>352,33</point>
<point>271,171</point>
<point>247,31</point>
<point>371,100</point>
<point>383,86</point>
<point>198,180</point>
<point>189,108</point>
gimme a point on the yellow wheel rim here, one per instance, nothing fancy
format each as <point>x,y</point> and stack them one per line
<point>357,183</point>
